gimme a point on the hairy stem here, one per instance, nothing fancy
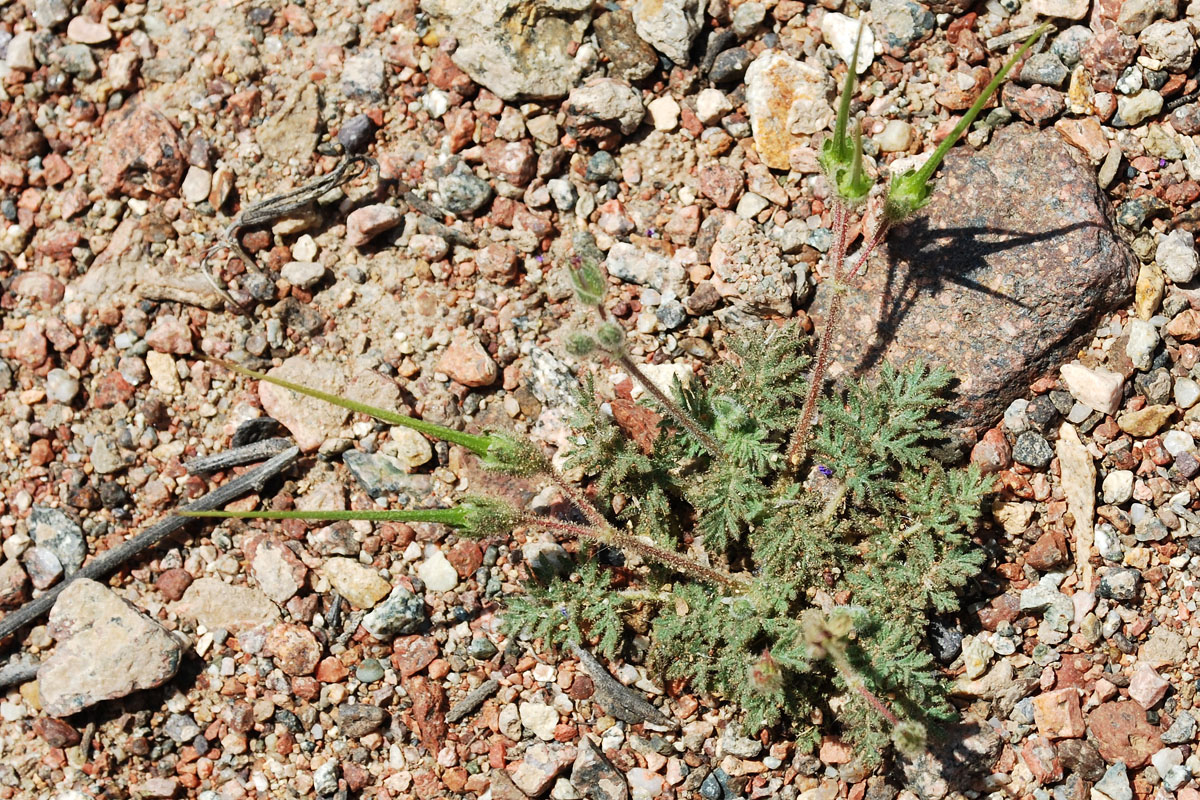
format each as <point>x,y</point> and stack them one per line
<point>610,536</point>
<point>799,445</point>
<point>579,499</point>
<point>671,407</point>
<point>855,681</point>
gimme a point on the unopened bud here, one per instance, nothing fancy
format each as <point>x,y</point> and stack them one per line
<point>841,623</point>
<point>611,337</point>
<point>580,345</point>
<point>765,674</point>
<point>909,738</point>
<point>587,277</point>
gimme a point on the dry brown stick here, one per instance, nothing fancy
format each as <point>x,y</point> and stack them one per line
<point>108,562</point>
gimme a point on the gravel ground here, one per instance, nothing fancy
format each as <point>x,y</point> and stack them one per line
<point>295,660</point>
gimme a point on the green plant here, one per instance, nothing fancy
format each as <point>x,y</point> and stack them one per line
<point>786,566</point>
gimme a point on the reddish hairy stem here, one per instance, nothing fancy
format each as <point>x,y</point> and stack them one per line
<point>799,444</point>
<point>877,704</point>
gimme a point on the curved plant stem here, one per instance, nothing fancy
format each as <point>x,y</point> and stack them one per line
<point>671,407</point>
<point>608,535</point>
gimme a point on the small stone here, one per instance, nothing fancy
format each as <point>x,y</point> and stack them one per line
<point>1164,648</point>
<point>630,57</point>
<point>1176,256</point>
<point>711,105</point>
<point>841,32</point>
<point>87,31</point>
<point>608,100</point>
<point>721,184</point>
<point>1133,109</point>
<point>411,448</point>
<point>106,649</point>
<point>1058,714</point>
<point>42,566</point>
<point>977,655</point>
<point>1142,342</point>
<point>900,24</point>
<point>669,25</point>
<point>364,76</point>
<point>1121,584</point>
<point>1097,389</point>
<point>1135,15</point>
<point>143,154</point>
<point>1149,292</point>
<point>1118,487</point>
<point>462,192</point>
<point>325,779</point>
<point>1187,392</point>
<point>730,65</point>
<point>481,649</point>
<point>1170,43</point>
<point>1048,552</point>
<point>196,185</point>
<point>1182,730</point>
<point>356,133</point>
<point>369,671</point>
<point>172,583</point>
<point>1044,68</point>
<point>1032,450</point>
<point>61,387</point>
<point>1146,686</point>
<point>895,137</point>
<point>1177,442</point>
<point>364,224</point>
<point>466,361</point>
<point>1185,326</point>
<point>401,613</point>
<point>1115,784</point>
<point>217,605</point>
<point>1147,421</point>
<point>57,533</point>
<point>358,583</point>
<point>1063,9</point>
<point>437,572</point>
<point>1085,134</point>
<point>786,103</point>
<point>294,648</point>
<point>539,719</point>
<point>595,776</point>
<point>664,113</point>
<point>276,569</point>
<point>542,763</point>
<point>514,162</point>
<point>19,55</point>
<point>356,720</point>
<point>305,274</point>
<point>50,13</point>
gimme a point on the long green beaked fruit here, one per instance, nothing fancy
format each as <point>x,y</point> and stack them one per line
<point>911,190</point>
<point>841,155</point>
<point>502,452</point>
<point>480,517</point>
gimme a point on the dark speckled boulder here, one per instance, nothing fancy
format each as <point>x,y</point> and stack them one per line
<point>1001,278</point>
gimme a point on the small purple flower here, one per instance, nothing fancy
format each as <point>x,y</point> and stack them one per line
<point>824,470</point>
<point>1162,162</point>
